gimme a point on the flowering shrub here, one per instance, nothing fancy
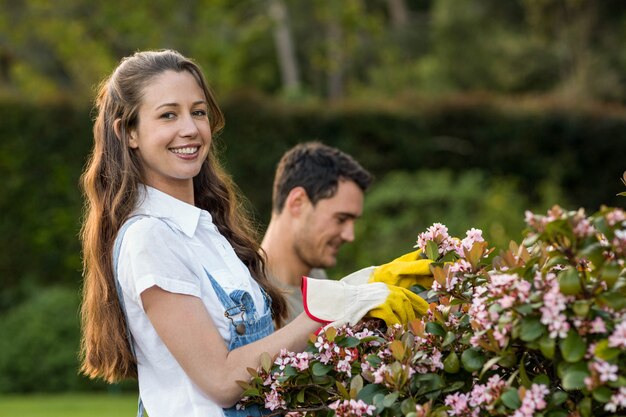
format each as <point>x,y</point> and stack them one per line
<point>536,330</point>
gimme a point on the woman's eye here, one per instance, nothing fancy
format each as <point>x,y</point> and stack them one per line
<point>200,113</point>
<point>168,115</point>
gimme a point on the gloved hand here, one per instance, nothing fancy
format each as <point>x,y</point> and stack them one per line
<point>338,303</point>
<point>401,306</point>
<point>407,270</point>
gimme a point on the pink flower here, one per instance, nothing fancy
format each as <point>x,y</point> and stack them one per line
<point>618,400</point>
<point>459,404</point>
<point>483,396</point>
<point>352,408</point>
<point>606,371</point>
<point>437,233</point>
<point>554,302</point>
<point>598,326</point>
<point>618,338</point>
<point>615,216</point>
<point>619,241</point>
<point>471,236</point>
<point>582,226</point>
<point>301,361</point>
<point>420,411</point>
<point>534,400</point>
<point>273,400</point>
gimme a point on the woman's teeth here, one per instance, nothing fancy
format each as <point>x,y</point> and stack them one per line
<point>185,151</point>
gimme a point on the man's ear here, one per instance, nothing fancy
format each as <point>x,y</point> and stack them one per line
<point>117,127</point>
<point>296,201</point>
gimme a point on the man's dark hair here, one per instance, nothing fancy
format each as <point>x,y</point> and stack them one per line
<point>317,168</point>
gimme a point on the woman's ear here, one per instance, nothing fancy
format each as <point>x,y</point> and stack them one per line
<point>117,127</point>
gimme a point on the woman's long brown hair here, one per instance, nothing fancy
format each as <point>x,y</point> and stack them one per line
<point>111,183</point>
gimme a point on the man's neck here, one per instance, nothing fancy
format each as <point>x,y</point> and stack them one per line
<point>282,262</point>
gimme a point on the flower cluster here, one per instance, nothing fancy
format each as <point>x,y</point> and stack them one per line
<point>537,329</point>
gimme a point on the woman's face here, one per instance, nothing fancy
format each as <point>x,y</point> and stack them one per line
<point>173,135</point>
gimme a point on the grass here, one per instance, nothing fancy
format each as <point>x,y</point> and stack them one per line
<point>68,405</point>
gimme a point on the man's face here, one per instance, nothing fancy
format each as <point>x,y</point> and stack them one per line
<point>323,228</point>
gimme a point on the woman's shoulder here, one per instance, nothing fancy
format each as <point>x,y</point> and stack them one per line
<point>149,229</point>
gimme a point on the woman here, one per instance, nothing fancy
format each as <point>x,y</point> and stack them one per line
<point>164,232</point>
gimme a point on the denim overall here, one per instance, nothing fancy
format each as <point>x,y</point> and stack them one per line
<point>246,325</point>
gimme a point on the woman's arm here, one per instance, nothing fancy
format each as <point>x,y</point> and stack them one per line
<point>186,328</point>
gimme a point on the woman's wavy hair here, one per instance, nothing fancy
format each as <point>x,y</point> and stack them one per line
<point>110,184</point>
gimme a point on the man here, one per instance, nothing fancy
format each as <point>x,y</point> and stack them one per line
<point>317,196</point>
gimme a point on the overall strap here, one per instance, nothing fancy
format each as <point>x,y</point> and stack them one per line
<point>117,245</point>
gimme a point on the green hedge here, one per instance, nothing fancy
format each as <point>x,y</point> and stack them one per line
<point>40,344</point>
<point>580,150</point>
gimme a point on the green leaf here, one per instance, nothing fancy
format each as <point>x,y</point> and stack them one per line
<point>435,328</point>
<point>602,394</point>
<point>556,260</point>
<point>408,406</point>
<point>319,369</point>
<point>569,281</point>
<point>487,366</point>
<point>558,398</point>
<point>300,397</point>
<point>531,329</point>
<point>349,342</point>
<point>449,338</point>
<point>432,250</point>
<point>449,257</point>
<point>614,300</point>
<point>573,347</point>
<point>558,413</point>
<point>369,391</point>
<point>251,392</point>
<point>581,308</point>
<point>574,376</point>
<point>510,398</point>
<point>451,363</point>
<point>356,385</point>
<point>290,371</point>
<point>561,228</point>
<point>373,360</point>
<point>429,384</point>
<point>507,359</point>
<point>531,240</point>
<point>524,309</point>
<point>593,253</point>
<point>585,407</point>
<point>390,399</point>
<point>547,345</point>
<point>455,386</point>
<point>472,360</point>
<point>606,353</point>
<point>341,389</point>
<point>542,379</point>
<point>523,375</point>
<point>610,273</point>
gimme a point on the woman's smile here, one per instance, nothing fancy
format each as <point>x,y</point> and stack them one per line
<point>187,152</point>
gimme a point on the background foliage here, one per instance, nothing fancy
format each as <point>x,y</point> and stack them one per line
<point>466,113</point>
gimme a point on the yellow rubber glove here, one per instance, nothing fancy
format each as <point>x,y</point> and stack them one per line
<point>400,307</point>
<point>407,270</point>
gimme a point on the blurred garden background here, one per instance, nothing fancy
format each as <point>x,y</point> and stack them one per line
<point>468,112</point>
